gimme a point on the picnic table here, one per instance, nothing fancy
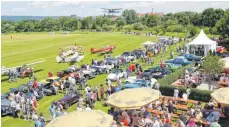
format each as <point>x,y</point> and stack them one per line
<point>182,107</point>
<point>182,100</point>
<point>155,111</point>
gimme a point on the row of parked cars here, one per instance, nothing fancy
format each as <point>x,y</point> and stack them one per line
<point>151,75</point>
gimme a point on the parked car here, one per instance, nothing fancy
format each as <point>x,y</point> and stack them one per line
<point>138,84</point>
<point>131,79</point>
<point>69,99</point>
<point>138,53</point>
<point>172,67</point>
<point>129,55</point>
<point>5,105</point>
<point>115,74</point>
<point>154,73</point>
<point>51,80</point>
<point>192,57</point>
<point>159,69</point>
<point>48,90</point>
<point>89,74</point>
<point>179,60</point>
<point>102,68</point>
<point>111,61</point>
<point>65,73</point>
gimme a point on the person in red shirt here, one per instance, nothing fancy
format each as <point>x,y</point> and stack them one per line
<point>130,68</point>
<point>133,67</point>
<point>35,84</point>
<point>50,74</point>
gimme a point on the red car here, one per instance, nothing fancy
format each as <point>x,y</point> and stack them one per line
<point>105,49</point>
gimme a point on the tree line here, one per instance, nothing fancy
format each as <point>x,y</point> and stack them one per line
<point>213,21</point>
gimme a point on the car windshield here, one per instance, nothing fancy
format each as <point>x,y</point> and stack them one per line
<point>185,60</point>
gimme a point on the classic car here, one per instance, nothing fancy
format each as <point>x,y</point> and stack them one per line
<point>179,60</point>
<point>138,53</point>
<point>69,99</point>
<point>5,105</point>
<point>115,74</point>
<point>51,80</point>
<point>131,79</point>
<point>68,72</point>
<point>172,67</point>
<point>192,57</point>
<point>25,89</point>
<point>89,74</point>
<point>155,72</point>
<point>111,60</point>
<point>130,55</point>
<point>139,83</point>
<point>102,68</point>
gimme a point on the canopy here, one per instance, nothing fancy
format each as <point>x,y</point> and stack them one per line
<point>148,43</point>
<point>221,95</point>
<point>202,39</point>
<point>226,62</point>
<point>133,98</point>
<point>93,118</point>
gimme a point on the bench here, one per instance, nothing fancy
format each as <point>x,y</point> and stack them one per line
<point>155,111</point>
<point>182,107</point>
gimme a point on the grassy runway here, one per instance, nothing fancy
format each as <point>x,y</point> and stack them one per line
<point>32,47</point>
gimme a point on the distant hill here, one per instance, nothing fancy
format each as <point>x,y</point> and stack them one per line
<point>18,18</point>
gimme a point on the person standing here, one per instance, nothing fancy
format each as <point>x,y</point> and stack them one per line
<point>52,111</point>
<point>176,93</point>
<point>42,120</point>
<point>102,92</point>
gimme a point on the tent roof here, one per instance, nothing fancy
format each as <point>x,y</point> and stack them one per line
<point>202,39</point>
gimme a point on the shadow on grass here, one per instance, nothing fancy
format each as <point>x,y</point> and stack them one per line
<point>72,63</point>
<point>38,70</point>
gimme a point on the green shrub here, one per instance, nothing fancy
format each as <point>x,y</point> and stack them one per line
<point>167,89</point>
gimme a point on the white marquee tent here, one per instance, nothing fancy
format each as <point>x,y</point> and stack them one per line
<point>203,40</point>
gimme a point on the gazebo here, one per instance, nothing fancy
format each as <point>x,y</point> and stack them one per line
<point>202,42</point>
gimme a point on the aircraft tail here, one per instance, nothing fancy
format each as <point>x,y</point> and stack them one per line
<point>92,50</point>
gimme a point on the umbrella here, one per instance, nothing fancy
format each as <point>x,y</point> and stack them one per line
<point>221,96</point>
<point>148,43</point>
<point>133,98</point>
<point>226,62</point>
<point>93,118</point>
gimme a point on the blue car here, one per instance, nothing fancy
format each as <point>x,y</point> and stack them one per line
<point>111,60</point>
<point>192,57</point>
<point>138,84</point>
<point>179,60</point>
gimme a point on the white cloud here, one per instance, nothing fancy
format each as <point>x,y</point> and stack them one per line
<point>46,4</point>
<point>18,10</point>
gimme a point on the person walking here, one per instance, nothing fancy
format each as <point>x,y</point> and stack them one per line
<point>52,111</point>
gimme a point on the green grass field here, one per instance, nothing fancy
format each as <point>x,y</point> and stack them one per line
<point>32,47</point>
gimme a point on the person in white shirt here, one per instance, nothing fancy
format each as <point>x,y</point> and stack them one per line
<point>176,93</point>
<point>185,96</point>
<point>79,108</point>
<point>156,122</point>
<point>88,88</point>
<point>87,108</point>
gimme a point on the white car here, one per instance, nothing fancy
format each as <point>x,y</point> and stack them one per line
<point>115,74</point>
<point>131,79</point>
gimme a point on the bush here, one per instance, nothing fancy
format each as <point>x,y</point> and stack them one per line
<point>167,89</point>
<point>175,28</point>
<point>138,26</point>
<point>127,27</point>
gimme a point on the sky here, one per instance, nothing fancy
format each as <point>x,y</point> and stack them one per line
<point>93,8</point>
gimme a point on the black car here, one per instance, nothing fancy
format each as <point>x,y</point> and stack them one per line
<point>138,53</point>
<point>69,99</point>
<point>48,90</point>
<point>147,74</point>
<point>98,70</point>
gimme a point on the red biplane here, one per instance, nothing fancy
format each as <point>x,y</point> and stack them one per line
<point>106,49</point>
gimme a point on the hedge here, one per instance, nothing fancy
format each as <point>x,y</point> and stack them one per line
<point>167,89</point>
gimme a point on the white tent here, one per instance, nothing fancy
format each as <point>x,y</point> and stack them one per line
<point>207,43</point>
<point>148,43</point>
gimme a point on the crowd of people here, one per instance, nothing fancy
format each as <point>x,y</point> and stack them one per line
<point>143,117</point>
